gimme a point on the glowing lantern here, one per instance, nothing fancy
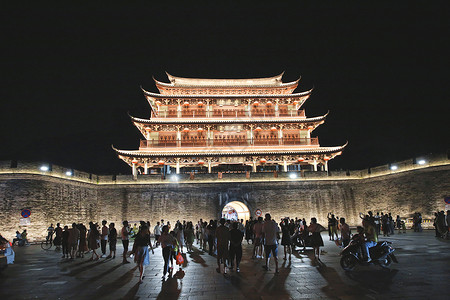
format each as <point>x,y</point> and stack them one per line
<point>273,129</point>
<point>186,103</point>
<point>257,129</point>
<point>200,104</point>
<point>148,129</point>
<point>201,162</point>
<point>263,161</point>
<point>186,130</point>
<point>161,163</point>
<point>269,103</point>
<point>134,161</point>
<point>200,130</point>
<point>326,158</point>
<point>300,159</point>
<point>158,103</point>
<point>295,102</point>
<point>256,103</point>
<point>310,127</point>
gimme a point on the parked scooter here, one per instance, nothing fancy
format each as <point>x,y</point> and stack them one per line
<point>381,254</point>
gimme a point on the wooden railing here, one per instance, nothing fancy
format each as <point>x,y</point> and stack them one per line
<point>230,113</point>
<point>203,142</point>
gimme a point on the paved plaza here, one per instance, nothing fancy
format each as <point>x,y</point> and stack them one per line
<point>423,271</point>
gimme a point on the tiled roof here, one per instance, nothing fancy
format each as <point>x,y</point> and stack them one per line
<point>302,94</point>
<point>227,121</point>
<point>230,151</point>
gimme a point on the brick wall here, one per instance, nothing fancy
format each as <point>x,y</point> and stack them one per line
<point>53,199</point>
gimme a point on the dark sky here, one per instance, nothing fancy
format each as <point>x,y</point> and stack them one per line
<point>71,74</point>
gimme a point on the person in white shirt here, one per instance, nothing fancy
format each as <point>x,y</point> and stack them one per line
<point>157,233</point>
<point>271,234</point>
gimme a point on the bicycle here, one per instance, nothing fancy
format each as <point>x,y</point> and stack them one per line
<point>47,244</point>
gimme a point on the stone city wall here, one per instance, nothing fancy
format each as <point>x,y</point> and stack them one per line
<point>55,198</point>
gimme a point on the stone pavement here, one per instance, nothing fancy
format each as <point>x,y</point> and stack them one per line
<point>423,271</point>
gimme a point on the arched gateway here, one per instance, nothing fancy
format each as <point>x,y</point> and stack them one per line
<point>236,210</point>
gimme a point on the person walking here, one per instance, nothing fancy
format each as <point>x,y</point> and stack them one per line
<point>286,238</point>
<point>180,235</point>
<point>141,255</point>
<point>112,238</point>
<point>316,239</point>
<point>167,243</point>
<point>235,251</point>
<point>271,235</point>
<point>223,238</point>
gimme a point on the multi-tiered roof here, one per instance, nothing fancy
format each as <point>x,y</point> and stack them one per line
<point>215,123</point>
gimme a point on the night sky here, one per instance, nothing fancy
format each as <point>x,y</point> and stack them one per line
<point>71,74</point>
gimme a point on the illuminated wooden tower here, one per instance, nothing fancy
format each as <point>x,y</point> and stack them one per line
<point>216,125</point>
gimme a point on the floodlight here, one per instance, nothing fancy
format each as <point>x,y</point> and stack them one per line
<point>69,173</point>
<point>422,162</point>
<point>44,168</point>
<point>394,167</point>
<point>293,175</point>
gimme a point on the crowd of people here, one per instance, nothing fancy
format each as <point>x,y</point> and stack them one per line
<point>223,238</point>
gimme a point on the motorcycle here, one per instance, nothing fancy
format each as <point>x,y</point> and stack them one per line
<point>381,254</point>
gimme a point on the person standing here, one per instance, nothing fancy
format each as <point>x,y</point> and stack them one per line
<point>385,224</point>
<point>112,238</point>
<point>378,223</point>
<point>316,239</point>
<point>50,231</point>
<point>125,234</point>
<point>211,229</point>
<point>141,255</point>
<point>345,232</point>
<point>398,223</point>
<point>236,237</point>
<point>104,237</point>
<point>189,236</point>
<point>74,236</point>
<point>65,242</point>
<point>286,238</point>
<point>223,238</point>
<point>271,234</point>
<point>157,233</point>
<point>82,247</point>
<point>93,240</point>
<point>58,236</point>
<point>332,222</point>
<point>258,245</point>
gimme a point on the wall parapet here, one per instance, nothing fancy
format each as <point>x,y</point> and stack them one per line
<point>26,167</point>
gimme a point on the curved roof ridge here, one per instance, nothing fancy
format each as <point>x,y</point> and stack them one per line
<point>180,81</point>
<point>304,93</point>
<point>231,120</point>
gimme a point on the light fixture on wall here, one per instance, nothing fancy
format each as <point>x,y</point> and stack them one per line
<point>44,168</point>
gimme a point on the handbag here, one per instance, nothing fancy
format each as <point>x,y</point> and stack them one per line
<point>179,259</point>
